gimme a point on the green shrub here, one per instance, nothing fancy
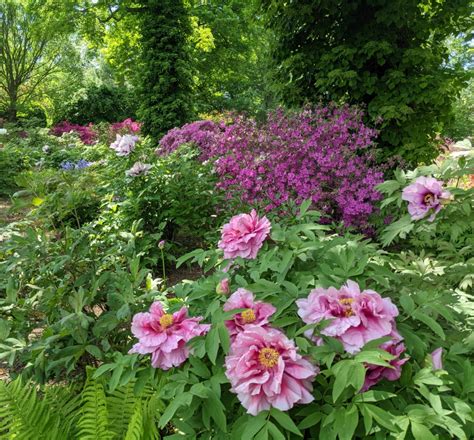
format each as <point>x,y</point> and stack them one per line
<point>99,103</point>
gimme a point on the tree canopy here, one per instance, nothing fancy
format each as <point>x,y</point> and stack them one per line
<point>391,57</point>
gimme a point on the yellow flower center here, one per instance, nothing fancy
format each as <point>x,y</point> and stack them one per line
<point>166,320</point>
<point>268,357</point>
<point>428,199</point>
<point>248,316</point>
<point>346,302</point>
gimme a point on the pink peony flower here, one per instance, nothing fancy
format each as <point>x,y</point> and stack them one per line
<point>356,317</point>
<point>165,335</point>
<point>124,145</point>
<point>256,313</point>
<point>375,373</point>
<point>425,196</point>
<point>265,371</point>
<point>437,359</point>
<point>223,288</point>
<point>243,235</point>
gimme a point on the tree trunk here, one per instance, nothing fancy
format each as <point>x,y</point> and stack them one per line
<point>12,107</point>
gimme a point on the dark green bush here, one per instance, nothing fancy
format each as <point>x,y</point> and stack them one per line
<point>100,104</point>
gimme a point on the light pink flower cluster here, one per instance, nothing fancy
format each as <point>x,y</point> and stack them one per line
<point>256,313</point>
<point>356,318</point>
<point>165,335</point>
<point>244,235</point>
<point>425,197</point>
<point>263,366</point>
<point>124,145</point>
<point>265,370</point>
<point>138,169</point>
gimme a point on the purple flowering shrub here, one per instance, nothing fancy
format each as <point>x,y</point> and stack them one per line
<point>86,133</point>
<point>203,134</point>
<point>324,154</point>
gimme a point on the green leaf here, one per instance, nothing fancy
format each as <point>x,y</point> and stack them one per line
<point>183,399</point>
<point>407,303</point>
<point>399,228</point>
<point>199,367</point>
<point>217,410</point>
<point>253,425</point>
<point>373,396</point>
<point>304,207</point>
<point>421,432</point>
<point>94,351</point>
<point>212,344</point>
<point>224,337</point>
<point>430,322</point>
<point>381,416</point>
<point>275,432</point>
<point>285,421</point>
<point>346,422</point>
<point>310,420</point>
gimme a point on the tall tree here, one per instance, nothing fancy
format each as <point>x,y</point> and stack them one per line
<point>32,45</point>
<point>166,78</point>
<point>229,48</point>
<point>388,55</point>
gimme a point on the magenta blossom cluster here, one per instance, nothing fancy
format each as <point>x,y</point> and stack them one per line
<point>127,126</point>
<point>203,134</point>
<point>324,154</point>
<point>165,335</point>
<point>85,132</point>
<point>356,318</point>
<point>425,197</point>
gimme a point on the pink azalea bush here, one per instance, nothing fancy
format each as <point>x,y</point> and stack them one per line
<point>127,126</point>
<point>265,370</point>
<point>203,134</point>
<point>244,235</point>
<point>256,313</point>
<point>165,335</point>
<point>356,317</point>
<point>86,133</point>
<point>425,197</point>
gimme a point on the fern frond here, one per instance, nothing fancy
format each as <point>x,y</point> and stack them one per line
<point>65,403</point>
<point>153,409</point>
<point>121,406</point>
<point>23,415</point>
<point>94,423</point>
<point>135,427</point>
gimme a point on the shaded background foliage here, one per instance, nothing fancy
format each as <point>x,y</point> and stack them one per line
<point>391,57</point>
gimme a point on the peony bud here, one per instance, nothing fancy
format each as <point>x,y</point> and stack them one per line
<point>223,287</point>
<point>436,358</point>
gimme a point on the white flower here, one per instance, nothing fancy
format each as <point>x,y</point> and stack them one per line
<point>138,169</point>
<point>124,145</point>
